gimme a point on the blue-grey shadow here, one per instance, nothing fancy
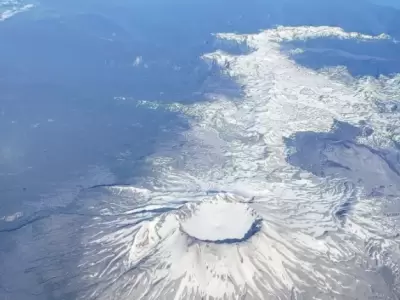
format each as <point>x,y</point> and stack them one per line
<point>336,154</point>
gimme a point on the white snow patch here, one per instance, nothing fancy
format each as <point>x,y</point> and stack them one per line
<point>219,221</point>
<point>13,9</point>
<point>13,217</point>
<point>286,33</point>
<point>138,61</point>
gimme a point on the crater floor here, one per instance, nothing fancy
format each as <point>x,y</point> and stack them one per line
<point>221,222</point>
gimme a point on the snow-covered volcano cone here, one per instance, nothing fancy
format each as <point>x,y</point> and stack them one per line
<point>198,248</point>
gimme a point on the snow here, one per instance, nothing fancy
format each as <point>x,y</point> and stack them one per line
<point>12,8</point>
<point>12,218</point>
<point>232,173</point>
<point>219,221</point>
